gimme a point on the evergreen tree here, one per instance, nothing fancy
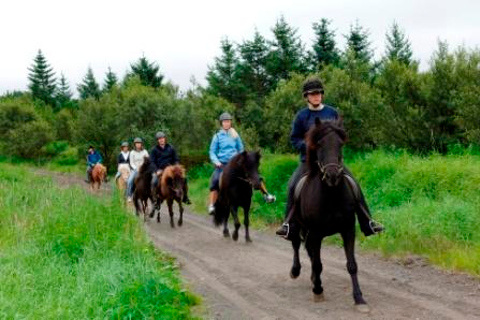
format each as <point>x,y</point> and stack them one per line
<point>253,66</point>
<point>287,51</point>
<point>111,80</point>
<point>42,79</point>
<point>223,77</point>
<point>148,72</point>
<point>325,51</point>
<point>89,88</point>
<point>63,95</point>
<point>359,44</point>
<point>398,46</point>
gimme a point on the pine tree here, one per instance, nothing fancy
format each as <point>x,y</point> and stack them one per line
<point>148,72</point>
<point>42,79</point>
<point>253,66</point>
<point>111,80</point>
<point>89,88</point>
<point>325,51</point>
<point>63,95</point>
<point>286,55</point>
<point>359,44</point>
<point>398,46</point>
<point>223,77</point>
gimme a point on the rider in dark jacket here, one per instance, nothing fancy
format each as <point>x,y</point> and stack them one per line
<point>93,158</point>
<point>162,156</point>
<point>304,120</point>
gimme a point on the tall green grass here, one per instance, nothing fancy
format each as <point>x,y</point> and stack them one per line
<point>65,254</point>
<point>429,205</point>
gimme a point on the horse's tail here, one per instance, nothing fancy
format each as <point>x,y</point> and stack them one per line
<point>221,213</point>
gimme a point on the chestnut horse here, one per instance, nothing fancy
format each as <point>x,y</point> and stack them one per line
<point>99,174</point>
<point>171,188</point>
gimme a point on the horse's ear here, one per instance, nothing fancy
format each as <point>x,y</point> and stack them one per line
<point>241,158</point>
<point>317,122</point>
<point>340,121</point>
<point>258,155</point>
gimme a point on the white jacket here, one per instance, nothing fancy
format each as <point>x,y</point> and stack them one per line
<point>136,158</point>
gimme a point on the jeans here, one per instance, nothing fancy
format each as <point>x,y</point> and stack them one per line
<point>130,181</point>
<point>215,181</point>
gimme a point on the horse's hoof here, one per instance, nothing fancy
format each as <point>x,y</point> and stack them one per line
<point>248,240</point>
<point>180,223</point>
<point>363,308</point>
<point>318,297</point>
<point>226,233</point>
<point>235,236</point>
<point>294,273</point>
<point>172,224</point>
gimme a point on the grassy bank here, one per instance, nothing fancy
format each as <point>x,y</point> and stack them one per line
<point>429,205</point>
<point>65,254</point>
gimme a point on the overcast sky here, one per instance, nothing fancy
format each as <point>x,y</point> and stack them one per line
<point>184,36</point>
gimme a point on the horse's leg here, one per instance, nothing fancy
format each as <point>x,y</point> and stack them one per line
<point>296,267</point>
<point>236,222</point>
<point>158,209</point>
<point>226,233</point>
<point>349,246</point>
<point>246,222</point>
<point>170,211</point>
<point>180,219</point>
<point>313,245</point>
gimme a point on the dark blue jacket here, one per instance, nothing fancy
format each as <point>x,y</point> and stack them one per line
<point>94,158</point>
<point>304,119</point>
<point>161,158</point>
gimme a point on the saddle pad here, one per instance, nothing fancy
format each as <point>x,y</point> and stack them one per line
<point>299,187</point>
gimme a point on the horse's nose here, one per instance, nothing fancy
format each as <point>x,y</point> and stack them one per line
<point>332,177</point>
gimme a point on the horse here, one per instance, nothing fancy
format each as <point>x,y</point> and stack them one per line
<point>143,192</point>
<point>171,188</point>
<point>238,177</point>
<point>325,205</point>
<point>99,175</point>
<point>124,169</point>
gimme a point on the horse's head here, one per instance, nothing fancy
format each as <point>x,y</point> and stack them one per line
<point>173,178</point>
<point>124,170</point>
<point>249,162</point>
<point>325,141</point>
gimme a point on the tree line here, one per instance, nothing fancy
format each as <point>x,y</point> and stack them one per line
<point>388,103</point>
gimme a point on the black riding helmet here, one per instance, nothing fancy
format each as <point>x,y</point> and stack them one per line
<point>312,85</point>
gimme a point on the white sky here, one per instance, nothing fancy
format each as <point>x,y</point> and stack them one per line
<point>184,36</point>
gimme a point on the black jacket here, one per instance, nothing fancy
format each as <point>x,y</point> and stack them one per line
<point>161,158</point>
<point>120,159</point>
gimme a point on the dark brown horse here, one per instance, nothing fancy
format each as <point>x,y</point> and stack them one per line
<point>236,182</point>
<point>143,192</point>
<point>171,188</point>
<point>325,205</point>
<point>99,174</point>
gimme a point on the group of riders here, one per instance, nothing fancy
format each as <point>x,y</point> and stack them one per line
<point>226,143</point>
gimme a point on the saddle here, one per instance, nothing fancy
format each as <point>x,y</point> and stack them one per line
<point>350,182</point>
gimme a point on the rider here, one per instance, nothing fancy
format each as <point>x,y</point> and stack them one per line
<point>162,156</point>
<point>305,118</point>
<point>137,156</point>
<point>93,158</point>
<point>226,143</point>
<point>123,157</point>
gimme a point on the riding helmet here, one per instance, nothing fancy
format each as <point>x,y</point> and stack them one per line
<point>225,116</point>
<point>312,85</point>
<point>124,144</point>
<point>159,135</point>
<point>137,140</point>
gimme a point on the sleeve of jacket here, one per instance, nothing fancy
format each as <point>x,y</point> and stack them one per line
<point>297,137</point>
<point>175,158</point>
<point>118,159</point>
<point>239,145</point>
<point>214,149</point>
<point>153,159</point>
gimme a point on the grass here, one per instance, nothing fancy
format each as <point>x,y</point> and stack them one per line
<point>65,254</point>
<point>429,205</point>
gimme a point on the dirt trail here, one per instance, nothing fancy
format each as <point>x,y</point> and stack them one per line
<point>251,281</point>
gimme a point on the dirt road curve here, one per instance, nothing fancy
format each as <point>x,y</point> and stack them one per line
<point>251,281</point>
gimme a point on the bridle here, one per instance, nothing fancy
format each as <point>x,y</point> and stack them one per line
<point>323,168</point>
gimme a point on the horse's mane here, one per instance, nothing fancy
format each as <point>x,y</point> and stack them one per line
<point>320,130</point>
<point>171,172</point>
<point>145,167</point>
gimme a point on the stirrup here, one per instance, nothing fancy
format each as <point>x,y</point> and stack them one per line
<point>375,227</point>
<point>287,226</point>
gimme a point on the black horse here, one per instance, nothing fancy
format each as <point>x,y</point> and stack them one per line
<point>325,205</point>
<point>236,182</point>
<point>143,190</point>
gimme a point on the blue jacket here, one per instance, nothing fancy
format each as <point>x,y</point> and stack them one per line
<point>94,158</point>
<point>304,119</point>
<point>223,147</point>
